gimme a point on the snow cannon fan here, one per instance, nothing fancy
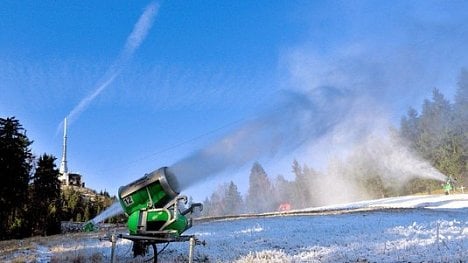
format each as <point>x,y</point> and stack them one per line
<point>152,205</point>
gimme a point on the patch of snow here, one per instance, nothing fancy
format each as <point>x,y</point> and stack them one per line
<point>44,254</point>
<point>455,201</point>
<point>256,228</point>
<point>432,235</point>
<point>437,233</point>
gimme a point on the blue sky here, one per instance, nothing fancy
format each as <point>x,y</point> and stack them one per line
<point>203,68</point>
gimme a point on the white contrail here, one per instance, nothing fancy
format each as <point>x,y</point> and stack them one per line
<point>134,40</point>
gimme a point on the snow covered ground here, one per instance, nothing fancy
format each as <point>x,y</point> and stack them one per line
<point>403,229</point>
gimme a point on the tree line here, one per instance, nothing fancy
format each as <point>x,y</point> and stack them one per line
<point>32,201</point>
<point>264,194</point>
<point>438,134</point>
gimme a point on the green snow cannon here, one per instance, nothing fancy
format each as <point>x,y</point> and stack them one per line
<point>151,204</point>
<point>448,185</point>
<point>89,227</point>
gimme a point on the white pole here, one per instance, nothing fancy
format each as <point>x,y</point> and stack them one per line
<point>114,241</point>
<point>191,249</point>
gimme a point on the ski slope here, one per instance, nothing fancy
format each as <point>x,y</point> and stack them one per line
<point>401,229</point>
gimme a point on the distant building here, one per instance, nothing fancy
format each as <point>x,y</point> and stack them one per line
<point>71,179</point>
<point>67,178</point>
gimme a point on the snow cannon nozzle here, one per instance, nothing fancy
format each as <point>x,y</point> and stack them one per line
<point>172,180</point>
<point>154,190</point>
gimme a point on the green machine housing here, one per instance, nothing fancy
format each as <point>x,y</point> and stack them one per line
<point>152,205</point>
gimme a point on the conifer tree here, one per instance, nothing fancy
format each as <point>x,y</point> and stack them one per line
<point>409,127</point>
<point>234,204</point>
<point>300,182</point>
<point>15,168</point>
<point>46,200</point>
<point>259,197</point>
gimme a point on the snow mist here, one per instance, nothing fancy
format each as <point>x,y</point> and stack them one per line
<point>371,152</point>
<point>349,132</point>
<point>113,210</point>
<point>335,117</point>
<point>294,120</point>
<point>364,145</point>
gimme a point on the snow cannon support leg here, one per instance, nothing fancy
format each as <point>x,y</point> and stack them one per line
<point>191,248</point>
<point>113,239</point>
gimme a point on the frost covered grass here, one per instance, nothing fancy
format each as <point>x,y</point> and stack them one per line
<point>435,229</point>
<point>415,228</point>
<point>375,236</point>
<point>76,247</point>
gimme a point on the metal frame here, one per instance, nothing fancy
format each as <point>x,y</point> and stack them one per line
<point>153,240</point>
<point>146,238</point>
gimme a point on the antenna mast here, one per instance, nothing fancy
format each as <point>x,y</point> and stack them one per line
<point>63,164</point>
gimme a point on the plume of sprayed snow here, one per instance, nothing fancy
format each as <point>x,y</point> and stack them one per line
<point>375,156</point>
<point>361,147</point>
<point>379,79</point>
<point>134,40</point>
<point>352,127</point>
<point>296,119</point>
<point>113,210</point>
<point>344,121</point>
<point>396,161</point>
<point>372,140</point>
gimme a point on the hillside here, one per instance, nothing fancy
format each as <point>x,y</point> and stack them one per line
<point>400,229</point>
